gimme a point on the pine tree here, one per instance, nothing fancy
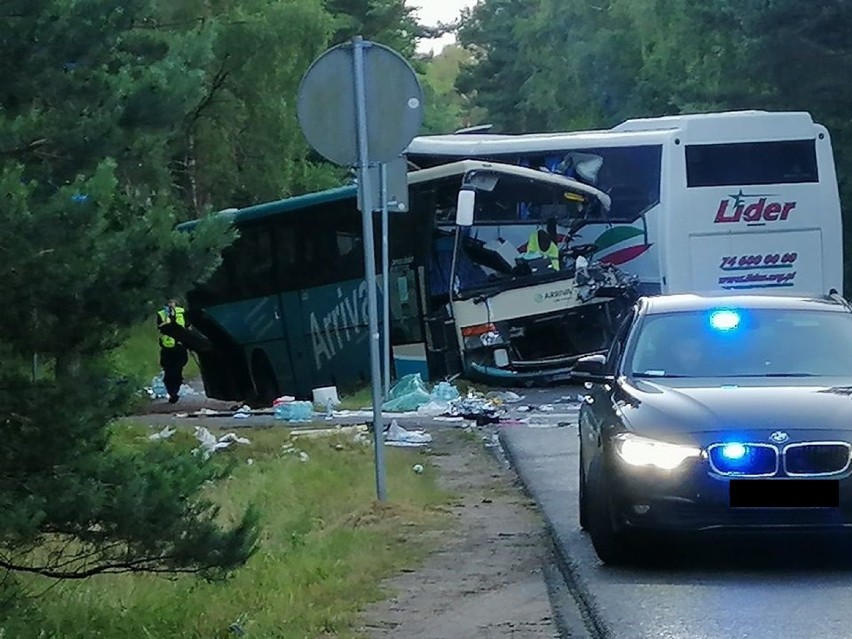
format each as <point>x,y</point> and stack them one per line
<point>89,106</point>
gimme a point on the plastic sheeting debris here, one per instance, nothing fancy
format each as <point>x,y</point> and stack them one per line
<point>294,411</point>
<point>167,432</point>
<point>396,435</point>
<point>407,395</point>
<point>209,444</point>
<point>506,397</point>
<point>244,412</point>
<point>157,389</point>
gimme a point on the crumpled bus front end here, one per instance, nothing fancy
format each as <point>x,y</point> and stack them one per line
<point>535,334</point>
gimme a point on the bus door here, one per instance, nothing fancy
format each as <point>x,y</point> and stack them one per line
<point>406,278</point>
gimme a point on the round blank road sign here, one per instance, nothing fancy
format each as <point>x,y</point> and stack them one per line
<point>326,104</point>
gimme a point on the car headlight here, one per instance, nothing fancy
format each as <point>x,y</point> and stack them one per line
<point>642,451</point>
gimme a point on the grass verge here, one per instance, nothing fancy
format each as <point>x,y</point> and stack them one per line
<point>326,546</point>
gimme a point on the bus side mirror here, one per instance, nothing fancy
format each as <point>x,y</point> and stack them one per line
<point>465,206</point>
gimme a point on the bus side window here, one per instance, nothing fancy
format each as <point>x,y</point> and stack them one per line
<point>286,256</point>
<point>218,289</point>
<point>252,274</point>
<point>331,245</point>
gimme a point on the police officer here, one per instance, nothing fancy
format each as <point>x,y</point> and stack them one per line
<point>173,355</point>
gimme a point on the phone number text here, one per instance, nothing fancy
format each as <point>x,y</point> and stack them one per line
<point>748,262</point>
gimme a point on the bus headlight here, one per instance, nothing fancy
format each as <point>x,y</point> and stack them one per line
<point>642,451</point>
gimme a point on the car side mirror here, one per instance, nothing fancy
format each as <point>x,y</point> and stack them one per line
<point>465,206</point>
<point>591,368</point>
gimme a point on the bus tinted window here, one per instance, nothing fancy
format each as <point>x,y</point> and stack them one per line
<point>629,175</point>
<point>788,162</point>
<point>331,243</point>
<point>251,264</point>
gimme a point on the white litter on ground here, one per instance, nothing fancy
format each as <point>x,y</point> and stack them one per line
<point>209,444</point>
<point>398,436</point>
<point>167,432</point>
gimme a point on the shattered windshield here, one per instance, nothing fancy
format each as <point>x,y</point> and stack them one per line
<point>523,228</point>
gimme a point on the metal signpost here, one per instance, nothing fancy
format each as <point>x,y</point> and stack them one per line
<point>361,103</point>
<point>385,280</point>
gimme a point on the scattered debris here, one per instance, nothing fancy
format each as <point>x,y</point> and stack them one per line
<point>167,432</point>
<point>157,389</point>
<point>244,412</point>
<point>327,432</point>
<point>477,407</point>
<point>326,397</point>
<point>396,435</point>
<point>289,449</point>
<point>294,411</point>
<point>407,395</point>
<point>209,444</point>
<point>507,397</point>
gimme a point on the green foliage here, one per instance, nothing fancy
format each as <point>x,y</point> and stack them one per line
<point>75,506</point>
<point>446,110</point>
<point>325,546</point>
<point>118,119</point>
<point>571,64</point>
<point>88,123</point>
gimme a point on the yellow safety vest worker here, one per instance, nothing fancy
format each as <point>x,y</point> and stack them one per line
<point>552,251</point>
<point>166,341</point>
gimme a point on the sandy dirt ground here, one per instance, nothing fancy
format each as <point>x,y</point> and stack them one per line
<point>486,578</point>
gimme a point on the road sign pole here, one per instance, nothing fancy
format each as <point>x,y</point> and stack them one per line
<point>369,260</point>
<point>383,176</point>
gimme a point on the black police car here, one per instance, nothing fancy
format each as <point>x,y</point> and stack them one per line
<point>718,413</point>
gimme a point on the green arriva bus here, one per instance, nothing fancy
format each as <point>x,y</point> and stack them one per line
<point>287,310</point>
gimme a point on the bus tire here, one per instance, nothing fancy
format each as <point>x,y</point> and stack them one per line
<point>264,381</point>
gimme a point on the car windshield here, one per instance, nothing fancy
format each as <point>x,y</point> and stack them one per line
<point>743,343</point>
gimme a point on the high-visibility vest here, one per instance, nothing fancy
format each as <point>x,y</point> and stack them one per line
<point>552,251</point>
<point>167,341</point>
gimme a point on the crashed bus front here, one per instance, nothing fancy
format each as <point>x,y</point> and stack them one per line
<point>526,300</point>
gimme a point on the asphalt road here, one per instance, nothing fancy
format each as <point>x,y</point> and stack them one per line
<point>712,589</point>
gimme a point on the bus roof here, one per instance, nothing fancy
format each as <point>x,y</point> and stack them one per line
<point>729,126</point>
<point>300,202</point>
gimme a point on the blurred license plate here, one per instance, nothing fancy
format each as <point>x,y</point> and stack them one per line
<point>785,493</point>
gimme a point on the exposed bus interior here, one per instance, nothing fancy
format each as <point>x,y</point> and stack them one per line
<point>500,265</point>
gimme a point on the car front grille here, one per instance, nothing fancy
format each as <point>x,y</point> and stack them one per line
<point>803,459</point>
<point>756,460</point>
<point>816,458</point>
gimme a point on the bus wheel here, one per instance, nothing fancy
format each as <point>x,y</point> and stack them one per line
<point>265,382</point>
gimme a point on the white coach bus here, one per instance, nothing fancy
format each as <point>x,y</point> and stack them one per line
<point>741,201</point>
